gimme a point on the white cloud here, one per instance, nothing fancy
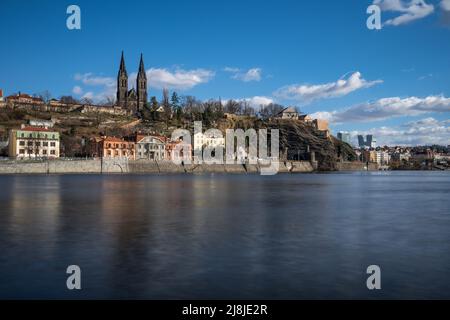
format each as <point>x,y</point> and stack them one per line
<point>77,90</point>
<point>386,108</point>
<point>253,74</point>
<point>409,10</point>
<point>255,102</point>
<point>430,75</point>
<point>90,79</point>
<point>231,69</point>
<point>445,5</point>
<point>157,78</point>
<point>107,87</point>
<point>89,95</point>
<point>179,79</point>
<point>258,101</point>
<point>426,131</point>
<point>309,93</point>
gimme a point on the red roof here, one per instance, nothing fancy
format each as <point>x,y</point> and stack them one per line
<point>114,139</point>
<point>36,129</point>
<point>23,95</point>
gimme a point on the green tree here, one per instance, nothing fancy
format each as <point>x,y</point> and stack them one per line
<point>153,103</point>
<point>175,101</point>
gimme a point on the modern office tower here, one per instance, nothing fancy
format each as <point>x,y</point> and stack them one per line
<point>344,137</point>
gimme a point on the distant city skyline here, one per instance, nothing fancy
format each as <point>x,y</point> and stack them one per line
<point>319,56</point>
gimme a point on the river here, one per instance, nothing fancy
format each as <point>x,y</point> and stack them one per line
<point>306,236</point>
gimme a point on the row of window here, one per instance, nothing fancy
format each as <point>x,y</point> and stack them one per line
<point>22,135</point>
<point>44,152</point>
<point>118,145</point>
<point>37,143</point>
<point>117,153</point>
<point>151,147</point>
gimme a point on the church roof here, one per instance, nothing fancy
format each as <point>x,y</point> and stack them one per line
<point>122,68</point>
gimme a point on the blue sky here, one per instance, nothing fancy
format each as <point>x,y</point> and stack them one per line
<point>317,55</point>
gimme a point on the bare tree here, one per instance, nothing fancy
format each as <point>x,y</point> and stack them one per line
<point>270,110</point>
<point>165,101</point>
<point>233,107</point>
<point>110,101</point>
<point>86,101</point>
<point>68,99</point>
<point>45,96</point>
<point>247,109</point>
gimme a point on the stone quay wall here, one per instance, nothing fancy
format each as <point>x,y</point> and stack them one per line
<point>100,166</point>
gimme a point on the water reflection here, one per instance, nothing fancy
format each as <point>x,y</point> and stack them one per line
<point>225,236</point>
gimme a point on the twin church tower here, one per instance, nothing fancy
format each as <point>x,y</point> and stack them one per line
<point>134,99</point>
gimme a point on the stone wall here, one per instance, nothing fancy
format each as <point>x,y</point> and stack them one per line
<point>356,166</point>
<point>139,166</point>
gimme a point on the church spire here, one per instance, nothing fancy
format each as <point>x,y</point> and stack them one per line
<point>141,85</point>
<point>123,69</point>
<point>122,84</point>
<point>141,66</point>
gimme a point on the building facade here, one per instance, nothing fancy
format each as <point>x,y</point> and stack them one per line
<point>178,151</point>
<point>289,113</point>
<point>112,147</point>
<point>135,99</point>
<point>150,147</point>
<point>34,143</point>
<point>2,99</point>
<point>344,137</point>
<point>211,138</point>
<point>24,99</point>
<point>369,142</point>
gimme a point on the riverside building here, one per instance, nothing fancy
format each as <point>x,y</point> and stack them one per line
<point>34,143</point>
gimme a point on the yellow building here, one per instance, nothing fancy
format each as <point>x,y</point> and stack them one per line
<point>33,142</point>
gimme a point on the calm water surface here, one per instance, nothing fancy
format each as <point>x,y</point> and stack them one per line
<point>226,236</point>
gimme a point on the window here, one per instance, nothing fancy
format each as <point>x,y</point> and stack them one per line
<point>44,151</point>
<point>30,143</point>
<point>38,143</point>
<point>21,143</point>
<point>117,153</point>
<point>22,151</point>
<point>52,152</point>
<point>52,144</point>
<point>45,144</point>
<point>30,135</point>
<point>22,135</point>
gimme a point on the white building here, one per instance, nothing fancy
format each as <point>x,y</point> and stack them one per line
<point>211,138</point>
<point>289,113</point>
<point>41,123</point>
<point>33,142</point>
<point>382,157</point>
<point>150,147</point>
